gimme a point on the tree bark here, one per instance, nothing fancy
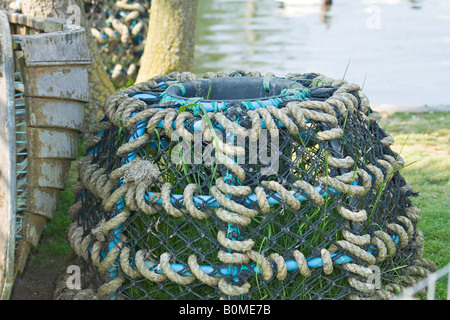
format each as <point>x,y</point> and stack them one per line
<point>100,84</point>
<point>170,38</point>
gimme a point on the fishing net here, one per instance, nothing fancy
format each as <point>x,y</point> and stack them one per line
<point>243,186</point>
<point>120,30</point>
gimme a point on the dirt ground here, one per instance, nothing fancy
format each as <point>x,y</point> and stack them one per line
<point>39,280</point>
<point>45,278</point>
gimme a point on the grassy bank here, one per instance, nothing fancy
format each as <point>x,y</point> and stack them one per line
<point>423,140</point>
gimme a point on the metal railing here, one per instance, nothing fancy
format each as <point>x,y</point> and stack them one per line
<point>428,283</point>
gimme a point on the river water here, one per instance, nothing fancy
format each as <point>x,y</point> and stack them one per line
<point>398,50</point>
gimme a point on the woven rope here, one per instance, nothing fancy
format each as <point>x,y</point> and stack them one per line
<point>294,116</point>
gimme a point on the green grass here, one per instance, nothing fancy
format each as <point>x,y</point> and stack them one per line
<point>423,140</point>
<point>285,229</point>
<point>54,245</point>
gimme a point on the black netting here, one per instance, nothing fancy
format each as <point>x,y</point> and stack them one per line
<point>318,229</point>
<point>120,30</point>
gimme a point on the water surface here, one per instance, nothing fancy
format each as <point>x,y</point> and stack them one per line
<point>399,50</point>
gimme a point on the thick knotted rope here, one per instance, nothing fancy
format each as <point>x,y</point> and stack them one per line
<point>137,176</point>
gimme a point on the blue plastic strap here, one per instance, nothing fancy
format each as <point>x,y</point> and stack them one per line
<point>266,83</point>
<point>181,87</point>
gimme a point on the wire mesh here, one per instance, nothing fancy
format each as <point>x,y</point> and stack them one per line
<point>120,29</point>
<point>339,248</point>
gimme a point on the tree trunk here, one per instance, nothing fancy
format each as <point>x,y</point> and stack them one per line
<point>100,84</point>
<point>170,39</point>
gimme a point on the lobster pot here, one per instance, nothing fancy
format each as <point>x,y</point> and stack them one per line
<point>243,186</point>
<point>44,90</point>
